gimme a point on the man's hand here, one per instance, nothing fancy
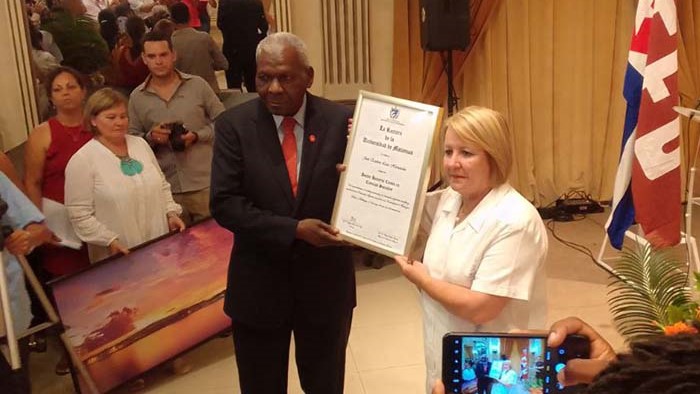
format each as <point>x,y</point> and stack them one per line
<point>579,370</point>
<point>38,8</point>
<point>116,247</point>
<point>189,138</point>
<point>41,234</point>
<point>160,134</point>
<point>318,233</point>
<point>22,242</point>
<point>438,387</point>
<point>19,242</point>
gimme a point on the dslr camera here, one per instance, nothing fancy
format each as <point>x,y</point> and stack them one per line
<point>177,130</point>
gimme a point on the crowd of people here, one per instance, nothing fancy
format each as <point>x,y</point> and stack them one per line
<point>130,169</point>
<point>112,176</point>
<point>103,39</point>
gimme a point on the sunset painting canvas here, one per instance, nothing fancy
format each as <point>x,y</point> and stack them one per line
<point>131,313</point>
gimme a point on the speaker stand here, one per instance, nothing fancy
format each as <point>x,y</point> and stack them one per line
<point>452,99</point>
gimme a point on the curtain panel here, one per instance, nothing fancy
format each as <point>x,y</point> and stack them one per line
<point>555,69</point>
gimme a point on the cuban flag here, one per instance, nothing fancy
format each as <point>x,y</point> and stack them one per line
<point>647,184</point>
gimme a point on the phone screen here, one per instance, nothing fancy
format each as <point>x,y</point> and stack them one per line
<point>507,363</point>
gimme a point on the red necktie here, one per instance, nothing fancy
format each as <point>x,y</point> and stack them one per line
<point>289,150</point>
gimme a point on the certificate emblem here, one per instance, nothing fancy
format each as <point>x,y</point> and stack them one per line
<point>394,113</point>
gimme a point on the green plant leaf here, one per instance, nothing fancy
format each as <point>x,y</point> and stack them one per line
<point>677,314</point>
<point>651,291</point>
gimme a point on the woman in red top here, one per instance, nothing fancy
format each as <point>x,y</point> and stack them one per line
<point>193,7</point>
<point>49,147</point>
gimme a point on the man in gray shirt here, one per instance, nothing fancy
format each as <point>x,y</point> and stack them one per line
<point>197,53</point>
<point>166,100</point>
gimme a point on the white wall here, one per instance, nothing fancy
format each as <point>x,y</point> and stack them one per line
<point>350,43</point>
<point>18,113</point>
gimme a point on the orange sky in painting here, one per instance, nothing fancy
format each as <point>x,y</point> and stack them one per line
<point>158,280</point>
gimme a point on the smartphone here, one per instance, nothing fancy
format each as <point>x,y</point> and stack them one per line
<point>486,363</point>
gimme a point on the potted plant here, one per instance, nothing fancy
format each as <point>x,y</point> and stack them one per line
<point>650,295</point>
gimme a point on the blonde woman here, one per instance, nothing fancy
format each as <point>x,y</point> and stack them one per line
<point>116,194</point>
<point>483,268</point>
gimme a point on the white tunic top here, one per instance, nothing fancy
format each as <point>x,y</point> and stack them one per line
<point>509,378</point>
<point>498,249</point>
<point>104,204</point>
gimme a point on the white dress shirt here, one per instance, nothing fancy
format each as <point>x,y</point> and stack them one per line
<point>498,249</point>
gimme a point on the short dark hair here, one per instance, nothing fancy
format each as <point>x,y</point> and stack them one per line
<point>166,26</point>
<point>155,36</point>
<point>179,13</point>
<point>80,78</point>
<point>123,10</point>
<point>109,30</point>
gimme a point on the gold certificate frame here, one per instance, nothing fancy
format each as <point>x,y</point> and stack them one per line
<point>381,193</point>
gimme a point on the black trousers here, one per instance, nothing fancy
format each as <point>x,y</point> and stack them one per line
<point>15,382</point>
<point>262,356</point>
<point>483,384</point>
<point>38,313</point>
<point>241,68</point>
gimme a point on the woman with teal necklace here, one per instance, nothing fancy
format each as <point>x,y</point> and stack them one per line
<point>116,194</point>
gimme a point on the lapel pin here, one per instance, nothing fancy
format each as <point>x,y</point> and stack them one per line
<point>312,138</point>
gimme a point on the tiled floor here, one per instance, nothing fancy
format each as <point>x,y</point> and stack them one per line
<point>385,353</point>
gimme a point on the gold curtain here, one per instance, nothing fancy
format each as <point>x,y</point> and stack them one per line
<point>556,70</point>
<point>689,74</point>
<point>419,75</point>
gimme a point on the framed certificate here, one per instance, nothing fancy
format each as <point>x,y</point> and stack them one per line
<point>381,192</point>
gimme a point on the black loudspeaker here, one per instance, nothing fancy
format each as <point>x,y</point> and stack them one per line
<point>444,25</point>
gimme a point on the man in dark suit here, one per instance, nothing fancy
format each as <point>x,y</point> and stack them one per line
<point>482,369</point>
<point>243,25</point>
<point>273,185</point>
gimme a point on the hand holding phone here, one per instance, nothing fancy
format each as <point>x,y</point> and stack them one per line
<point>581,370</point>
<point>486,363</point>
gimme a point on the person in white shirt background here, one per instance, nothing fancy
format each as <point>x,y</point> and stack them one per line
<point>483,266</point>
<point>506,383</point>
<point>93,7</point>
<point>142,8</point>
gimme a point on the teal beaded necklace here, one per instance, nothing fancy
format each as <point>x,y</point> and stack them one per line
<point>129,166</point>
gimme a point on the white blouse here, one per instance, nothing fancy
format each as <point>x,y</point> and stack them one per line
<point>104,204</point>
<point>498,249</point>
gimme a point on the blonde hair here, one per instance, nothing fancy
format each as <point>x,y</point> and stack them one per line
<point>488,130</point>
<point>101,100</point>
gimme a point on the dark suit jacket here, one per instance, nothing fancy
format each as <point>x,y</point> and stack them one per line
<point>242,24</point>
<point>482,369</point>
<point>272,276</point>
